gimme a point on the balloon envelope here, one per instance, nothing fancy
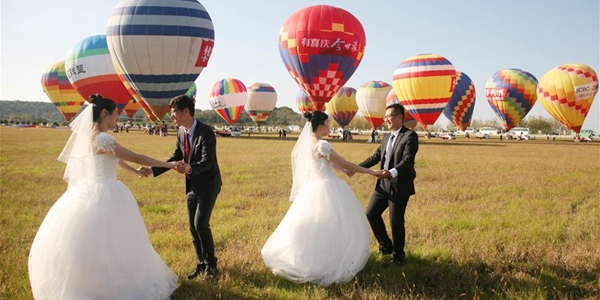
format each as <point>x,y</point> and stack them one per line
<point>191,92</point>
<point>567,93</point>
<point>60,91</point>
<point>321,46</point>
<point>161,47</point>
<point>131,108</point>
<point>424,84</point>
<point>90,70</point>
<point>409,121</point>
<point>261,101</point>
<point>227,98</point>
<point>459,109</point>
<point>511,93</point>
<point>303,102</point>
<point>342,106</point>
<point>370,98</point>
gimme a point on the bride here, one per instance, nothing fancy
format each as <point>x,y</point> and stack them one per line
<point>93,243</point>
<point>324,238</point>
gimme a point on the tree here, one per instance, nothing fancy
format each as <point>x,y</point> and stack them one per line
<point>541,124</point>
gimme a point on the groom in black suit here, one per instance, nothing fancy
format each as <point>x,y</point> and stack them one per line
<point>196,147</point>
<point>397,156</point>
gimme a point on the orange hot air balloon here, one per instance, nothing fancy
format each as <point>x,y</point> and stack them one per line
<point>131,108</point>
<point>567,93</point>
<point>60,91</point>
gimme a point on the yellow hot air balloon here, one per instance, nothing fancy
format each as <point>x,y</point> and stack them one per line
<point>342,106</point>
<point>60,91</point>
<point>567,92</point>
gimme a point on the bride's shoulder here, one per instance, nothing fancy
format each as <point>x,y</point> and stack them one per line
<point>323,148</point>
<point>104,141</point>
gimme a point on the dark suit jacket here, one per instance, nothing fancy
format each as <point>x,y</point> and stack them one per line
<point>405,148</point>
<point>205,168</point>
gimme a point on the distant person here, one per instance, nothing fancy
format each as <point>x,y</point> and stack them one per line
<point>396,156</point>
<point>93,243</point>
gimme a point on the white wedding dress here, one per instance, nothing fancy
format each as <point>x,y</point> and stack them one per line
<point>324,237</point>
<point>93,243</point>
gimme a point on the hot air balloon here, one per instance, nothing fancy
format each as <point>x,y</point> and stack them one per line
<point>567,93</point>
<point>90,70</point>
<point>370,98</point>
<point>131,108</point>
<point>409,121</point>
<point>303,102</point>
<point>424,84</point>
<point>59,90</point>
<point>191,92</point>
<point>459,109</point>
<point>321,46</point>
<point>511,93</point>
<point>161,47</point>
<point>261,101</point>
<point>342,106</point>
<point>227,98</point>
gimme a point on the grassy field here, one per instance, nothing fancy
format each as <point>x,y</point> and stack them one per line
<point>490,220</point>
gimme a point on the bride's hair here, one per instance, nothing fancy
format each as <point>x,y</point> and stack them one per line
<point>316,118</point>
<point>99,104</point>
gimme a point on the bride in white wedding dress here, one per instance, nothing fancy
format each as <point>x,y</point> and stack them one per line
<point>324,237</point>
<point>93,243</point>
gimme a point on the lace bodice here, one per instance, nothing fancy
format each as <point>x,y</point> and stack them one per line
<point>321,164</point>
<point>105,165</point>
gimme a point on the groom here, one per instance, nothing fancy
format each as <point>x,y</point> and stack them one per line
<point>196,146</point>
<point>397,156</point>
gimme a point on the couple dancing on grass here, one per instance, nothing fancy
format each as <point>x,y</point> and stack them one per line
<point>93,243</point>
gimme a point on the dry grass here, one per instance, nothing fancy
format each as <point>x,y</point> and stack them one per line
<point>491,220</point>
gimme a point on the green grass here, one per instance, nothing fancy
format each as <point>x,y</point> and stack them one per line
<point>490,220</point>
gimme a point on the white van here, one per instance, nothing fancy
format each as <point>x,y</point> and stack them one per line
<point>489,130</point>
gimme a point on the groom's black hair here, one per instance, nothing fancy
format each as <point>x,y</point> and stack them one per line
<point>398,109</point>
<point>183,101</point>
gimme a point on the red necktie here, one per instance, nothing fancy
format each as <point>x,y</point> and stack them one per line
<point>187,151</point>
<point>187,147</point>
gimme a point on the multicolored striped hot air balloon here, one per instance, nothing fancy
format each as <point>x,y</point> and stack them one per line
<point>90,70</point>
<point>303,102</point>
<point>227,98</point>
<point>131,108</point>
<point>511,93</point>
<point>342,106</point>
<point>136,97</point>
<point>60,91</point>
<point>191,92</point>
<point>370,98</point>
<point>459,109</point>
<point>161,47</point>
<point>424,84</point>
<point>321,46</point>
<point>261,101</point>
<point>567,92</point>
<point>409,121</point>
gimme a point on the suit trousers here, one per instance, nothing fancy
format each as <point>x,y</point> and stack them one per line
<point>380,201</point>
<point>200,208</point>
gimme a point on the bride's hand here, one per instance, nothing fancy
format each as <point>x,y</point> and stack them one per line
<point>174,164</point>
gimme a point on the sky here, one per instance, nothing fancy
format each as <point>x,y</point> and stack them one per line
<point>478,37</point>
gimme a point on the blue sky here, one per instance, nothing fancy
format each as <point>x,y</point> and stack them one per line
<point>478,37</point>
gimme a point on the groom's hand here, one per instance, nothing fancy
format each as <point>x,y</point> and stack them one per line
<point>144,171</point>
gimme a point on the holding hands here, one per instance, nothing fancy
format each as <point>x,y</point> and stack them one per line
<point>178,166</point>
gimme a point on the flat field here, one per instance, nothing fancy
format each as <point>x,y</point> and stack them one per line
<point>490,220</point>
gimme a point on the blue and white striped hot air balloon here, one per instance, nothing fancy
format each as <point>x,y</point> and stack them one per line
<point>161,46</point>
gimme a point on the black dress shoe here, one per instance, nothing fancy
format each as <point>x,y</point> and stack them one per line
<point>397,260</point>
<point>386,249</point>
<point>211,273</point>
<point>199,269</point>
